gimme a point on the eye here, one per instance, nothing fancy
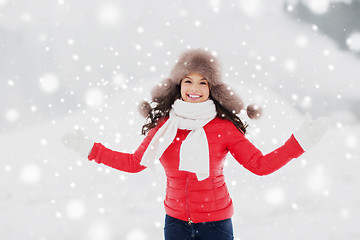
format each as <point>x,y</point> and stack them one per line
<point>187,81</point>
<point>203,83</point>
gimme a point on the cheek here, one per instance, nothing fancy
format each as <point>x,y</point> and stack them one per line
<point>183,92</point>
<point>206,91</point>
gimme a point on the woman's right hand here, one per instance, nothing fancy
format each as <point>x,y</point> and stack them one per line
<point>78,142</point>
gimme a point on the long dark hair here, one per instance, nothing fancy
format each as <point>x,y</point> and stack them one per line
<point>163,106</point>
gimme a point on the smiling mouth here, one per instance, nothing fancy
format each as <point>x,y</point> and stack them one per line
<point>193,96</point>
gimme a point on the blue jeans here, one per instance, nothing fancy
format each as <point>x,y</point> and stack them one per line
<point>176,229</point>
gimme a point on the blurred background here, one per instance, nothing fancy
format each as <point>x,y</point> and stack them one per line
<point>66,65</point>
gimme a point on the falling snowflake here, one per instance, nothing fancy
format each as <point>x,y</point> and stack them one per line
<point>49,83</point>
<point>353,42</point>
<point>30,173</point>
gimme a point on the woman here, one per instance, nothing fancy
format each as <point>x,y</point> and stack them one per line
<point>191,128</point>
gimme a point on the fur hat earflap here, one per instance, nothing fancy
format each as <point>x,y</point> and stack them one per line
<point>144,108</point>
<point>254,111</point>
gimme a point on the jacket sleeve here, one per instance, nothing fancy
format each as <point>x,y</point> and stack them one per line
<point>254,160</point>
<point>122,161</point>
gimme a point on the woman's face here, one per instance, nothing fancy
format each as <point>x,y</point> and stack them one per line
<point>194,88</point>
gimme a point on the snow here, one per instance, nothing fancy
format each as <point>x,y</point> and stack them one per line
<point>353,41</point>
<point>76,209</point>
<point>94,97</point>
<point>136,234</point>
<point>109,14</point>
<point>60,190</point>
<point>274,196</point>
<point>30,174</point>
<point>69,65</point>
<point>99,230</point>
<point>318,6</point>
<point>11,115</point>
<point>49,83</point>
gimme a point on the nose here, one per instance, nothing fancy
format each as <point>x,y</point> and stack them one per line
<point>194,88</point>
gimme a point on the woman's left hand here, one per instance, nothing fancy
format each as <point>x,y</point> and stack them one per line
<point>311,131</point>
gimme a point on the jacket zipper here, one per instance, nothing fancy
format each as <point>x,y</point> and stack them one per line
<point>187,199</point>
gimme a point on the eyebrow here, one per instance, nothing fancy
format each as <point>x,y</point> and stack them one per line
<point>200,79</point>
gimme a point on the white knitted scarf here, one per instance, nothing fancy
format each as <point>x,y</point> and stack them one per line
<point>194,151</point>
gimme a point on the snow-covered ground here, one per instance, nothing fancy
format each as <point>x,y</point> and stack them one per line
<point>87,64</point>
<point>49,192</point>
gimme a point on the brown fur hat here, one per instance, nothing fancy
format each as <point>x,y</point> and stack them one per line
<point>202,62</point>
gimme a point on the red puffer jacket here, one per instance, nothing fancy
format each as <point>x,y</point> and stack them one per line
<point>208,200</point>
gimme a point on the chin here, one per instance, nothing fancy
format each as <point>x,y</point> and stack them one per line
<point>195,101</point>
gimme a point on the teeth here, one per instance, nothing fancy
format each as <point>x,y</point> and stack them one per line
<point>194,96</point>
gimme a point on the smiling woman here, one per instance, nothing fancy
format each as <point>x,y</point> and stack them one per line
<point>190,131</point>
<point>194,88</point>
